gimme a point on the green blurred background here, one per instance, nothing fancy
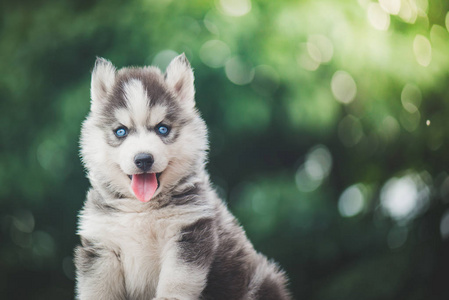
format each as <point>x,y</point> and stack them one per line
<point>328,127</point>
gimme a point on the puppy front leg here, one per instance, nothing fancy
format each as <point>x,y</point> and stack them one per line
<point>99,274</point>
<point>186,262</point>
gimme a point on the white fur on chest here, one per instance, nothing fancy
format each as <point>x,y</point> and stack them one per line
<point>138,239</point>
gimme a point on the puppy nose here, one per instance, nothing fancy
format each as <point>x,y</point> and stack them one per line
<point>144,161</point>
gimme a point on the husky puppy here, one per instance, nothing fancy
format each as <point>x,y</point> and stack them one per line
<point>152,227</point>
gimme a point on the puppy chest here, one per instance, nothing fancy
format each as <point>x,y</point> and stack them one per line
<point>141,265</point>
<point>140,242</point>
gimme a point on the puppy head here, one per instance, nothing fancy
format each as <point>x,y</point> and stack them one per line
<point>143,132</point>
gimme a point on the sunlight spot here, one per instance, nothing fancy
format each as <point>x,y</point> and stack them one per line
<point>405,197</point>
<point>364,3</point>
<point>422,6</point>
<point>214,53</point>
<point>422,50</point>
<point>259,201</point>
<point>314,52</point>
<point>438,37</point>
<point>389,128</point>
<point>318,162</point>
<point>411,97</point>
<point>163,58</point>
<point>234,8</point>
<point>343,87</point>
<point>238,71</point>
<point>209,23</point>
<point>408,12</point>
<point>305,60</point>
<point>23,220</point>
<point>304,182</point>
<point>316,168</point>
<point>447,21</point>
<point>444,225</point>
<point>391,6</point>
<point>377,17</point>
<point>43,244</point>
<point>320,48</point>
<point>351,201</point>
<point>410,121</point>
<point>428,122</point>
<point>399,197</point>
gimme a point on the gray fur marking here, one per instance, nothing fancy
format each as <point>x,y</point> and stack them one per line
<point>86,256</point>
<point>198,242</point>
<point>100,204</point>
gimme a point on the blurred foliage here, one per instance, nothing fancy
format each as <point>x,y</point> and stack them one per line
<point>328,127</point>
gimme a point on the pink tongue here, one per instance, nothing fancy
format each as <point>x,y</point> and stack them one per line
<point>144,186</point>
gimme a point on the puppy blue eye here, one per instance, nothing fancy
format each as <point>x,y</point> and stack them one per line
<point>163,130</point>
<point>121,132</point>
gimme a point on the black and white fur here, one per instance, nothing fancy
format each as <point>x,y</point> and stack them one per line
<point>183,243</point>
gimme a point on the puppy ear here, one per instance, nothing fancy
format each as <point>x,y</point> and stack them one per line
<point>103,78</point>
<point>179,77</point>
